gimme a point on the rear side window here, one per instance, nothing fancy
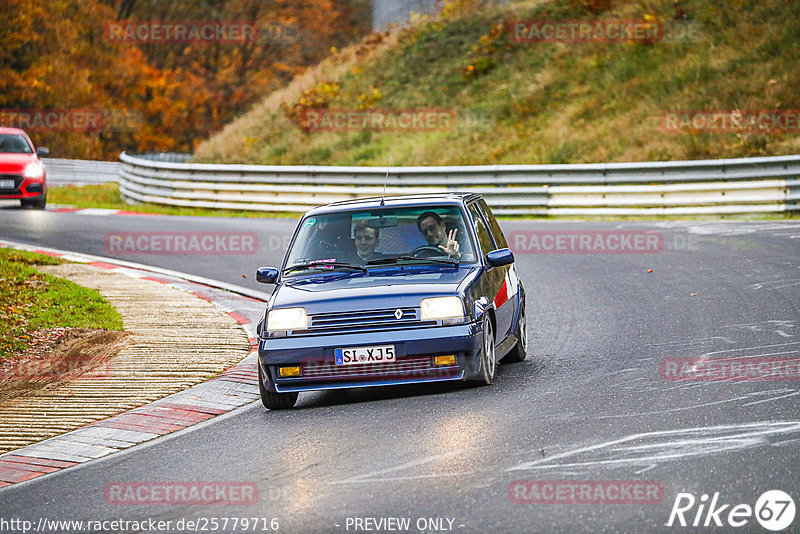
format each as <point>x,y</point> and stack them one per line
<point>484,238</point>
<point>494,226</point>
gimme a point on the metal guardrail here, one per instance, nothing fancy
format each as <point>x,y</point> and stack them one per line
<point>748,185</point>
<point>90,172</point>
<point>80,172</point>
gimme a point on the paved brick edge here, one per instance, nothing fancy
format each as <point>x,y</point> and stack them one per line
<point>233,388</point>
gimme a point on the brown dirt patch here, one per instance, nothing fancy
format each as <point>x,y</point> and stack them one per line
<point>57,355</point>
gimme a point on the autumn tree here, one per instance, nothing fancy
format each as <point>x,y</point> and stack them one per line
<point>158,96</point>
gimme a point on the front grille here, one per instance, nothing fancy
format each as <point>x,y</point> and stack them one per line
<point>402,369</point>
<point>17,182</point>
<point>364,321</point>
<point>331,370</point>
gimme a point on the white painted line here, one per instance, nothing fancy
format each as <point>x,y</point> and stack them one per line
<point>758,347</point>
<point>405,465</point>
<point>398,479</point>
<point>96,211</point>
<point>772,399</point>
<point>786,442</point>
<point>697,341</point>
<point>672,410</point>
<point>676,445</point>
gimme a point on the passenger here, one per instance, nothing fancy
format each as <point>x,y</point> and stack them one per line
<point>366,242</point>
<point>435,232</point>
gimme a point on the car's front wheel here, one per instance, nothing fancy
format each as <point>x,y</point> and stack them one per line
<point>488,355</point>
<point>272,400</point>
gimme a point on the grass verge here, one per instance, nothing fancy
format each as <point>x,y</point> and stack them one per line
<point>30,300</point>
<point>107,196</point>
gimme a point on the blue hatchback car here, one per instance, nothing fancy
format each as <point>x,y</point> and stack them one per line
<point>379,292</point>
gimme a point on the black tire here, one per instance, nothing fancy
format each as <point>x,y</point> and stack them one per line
<point>271,400</point>
<point>488,355</point>
<point>37,203</point>
<point>519,352</point>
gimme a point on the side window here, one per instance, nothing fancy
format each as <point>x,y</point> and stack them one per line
<point>484,239</point>
<point>497,233</point>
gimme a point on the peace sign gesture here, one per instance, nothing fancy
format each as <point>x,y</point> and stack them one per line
<point>452,247</point>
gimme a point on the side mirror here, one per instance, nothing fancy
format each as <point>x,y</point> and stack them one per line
<point>500,257</point>
<point>266,275</point>
<point>42,151</point>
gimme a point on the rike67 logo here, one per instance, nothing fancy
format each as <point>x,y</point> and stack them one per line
<point>774,510</point>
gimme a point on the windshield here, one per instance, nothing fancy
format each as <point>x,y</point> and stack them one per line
<point>14,144</point>
<point>382,237</point>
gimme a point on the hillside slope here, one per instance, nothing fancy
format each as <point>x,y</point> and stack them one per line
<point>540,102</point>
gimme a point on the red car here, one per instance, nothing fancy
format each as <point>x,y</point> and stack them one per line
<point>22,173</point>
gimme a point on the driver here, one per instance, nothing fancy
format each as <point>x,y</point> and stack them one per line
<point>433,229</point>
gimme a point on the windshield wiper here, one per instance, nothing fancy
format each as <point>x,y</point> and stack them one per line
<point>386,261</point>
<point>323,265</point>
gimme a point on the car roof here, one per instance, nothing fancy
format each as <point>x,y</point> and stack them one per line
<point>8,130</point>
<point>398,201</point>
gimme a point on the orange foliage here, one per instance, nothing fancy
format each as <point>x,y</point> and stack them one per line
<point>54,54</point>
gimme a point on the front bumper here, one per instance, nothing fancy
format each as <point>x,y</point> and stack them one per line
<point>23,187</point>
<point>414,350</point>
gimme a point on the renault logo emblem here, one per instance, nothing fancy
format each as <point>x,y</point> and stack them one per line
<point>398,314</point>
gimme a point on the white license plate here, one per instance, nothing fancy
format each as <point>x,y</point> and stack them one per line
<point>355,355</point>
<point>6,184</point>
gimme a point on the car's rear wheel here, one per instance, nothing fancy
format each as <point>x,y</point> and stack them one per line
<point>519,352</point>
<point>488,355</point>
<point>272,400</point>
<point>37,203</point>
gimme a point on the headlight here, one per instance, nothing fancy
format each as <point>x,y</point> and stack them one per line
<point>33,170</point>
<point>441,308</point>
<point>287,319</point>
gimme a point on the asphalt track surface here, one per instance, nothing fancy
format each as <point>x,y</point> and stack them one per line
<point>590,402</point>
